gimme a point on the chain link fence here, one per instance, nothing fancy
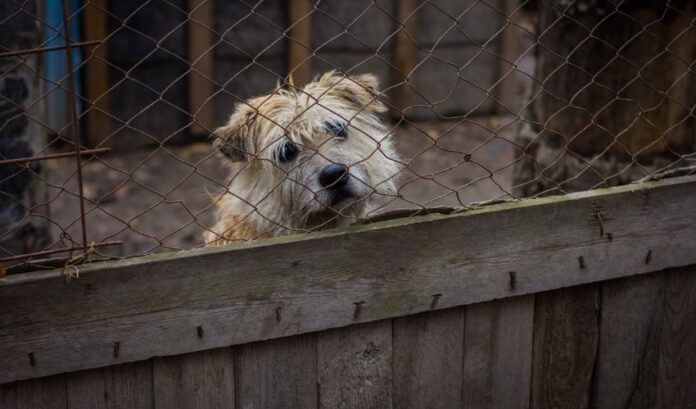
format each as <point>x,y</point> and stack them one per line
<point>117,136</point>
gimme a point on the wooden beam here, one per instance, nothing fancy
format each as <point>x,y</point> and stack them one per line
<point>404,55</point>
<point>300,41</point>
<point>200,57</point>
<point>97,76</point>
<point>153,305</point>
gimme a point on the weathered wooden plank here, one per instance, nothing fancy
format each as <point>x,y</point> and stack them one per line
<point>498,353</point>
<point>300,40</point>
<point>631,311</point>
<point>428,360</point>
<point>647,339</point>
<point>355,366</point>
<point>42,393</point>
<point>676,367</point>
<point>199,380</point>
<point>277,374</point>
<point>118,386</point>
<point>200,55</point>
<point>566,332</point>
<point>153,305</point>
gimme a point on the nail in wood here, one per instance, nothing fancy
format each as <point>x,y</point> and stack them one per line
<point>436,298</point>
<point>358,308</point>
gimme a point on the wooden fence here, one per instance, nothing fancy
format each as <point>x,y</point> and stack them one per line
<point>584,300</point>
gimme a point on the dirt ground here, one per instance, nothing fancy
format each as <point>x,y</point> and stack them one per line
<point>159,198</point>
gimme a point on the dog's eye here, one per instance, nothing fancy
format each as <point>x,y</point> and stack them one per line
<point>337,129</point>
<point>287,152</point>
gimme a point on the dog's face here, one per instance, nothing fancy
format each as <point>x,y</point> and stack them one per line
<point>311,158</point>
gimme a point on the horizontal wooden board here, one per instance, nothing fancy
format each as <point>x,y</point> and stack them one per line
<point>168,304</point>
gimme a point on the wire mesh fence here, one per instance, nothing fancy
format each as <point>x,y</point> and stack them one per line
<point>137,127</point>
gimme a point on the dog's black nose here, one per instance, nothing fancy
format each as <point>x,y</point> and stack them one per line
<point>333,176</point>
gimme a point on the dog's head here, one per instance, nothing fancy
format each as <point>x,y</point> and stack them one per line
<point>314,156</point>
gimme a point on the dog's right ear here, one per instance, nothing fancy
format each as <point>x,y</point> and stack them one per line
<point>232,139</point>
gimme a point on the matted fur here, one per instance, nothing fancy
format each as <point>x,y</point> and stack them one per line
<point>267,197</point>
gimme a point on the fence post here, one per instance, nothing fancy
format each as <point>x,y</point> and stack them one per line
<point>299,41</point>
<point>97,76</point>
<point>404,56</point>
<point>201,59</point>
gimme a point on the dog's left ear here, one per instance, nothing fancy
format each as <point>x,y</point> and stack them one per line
<point>232,139</point>
<point>362,90</point>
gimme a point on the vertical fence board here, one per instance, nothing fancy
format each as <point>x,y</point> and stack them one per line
<point>428,357</point>
<point>277,374</point>
<point>355,366</point>
<point>628,342</point>
<point>498,353</point>
<point>676,369</point>
<point>565,347</point>
<point>195,381</point>
<point>42,393</point>
<point>119,386</point>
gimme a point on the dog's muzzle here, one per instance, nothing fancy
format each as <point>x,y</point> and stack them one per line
<point>334,178</point>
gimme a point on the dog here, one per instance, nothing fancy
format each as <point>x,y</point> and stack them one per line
<point>304,159</point>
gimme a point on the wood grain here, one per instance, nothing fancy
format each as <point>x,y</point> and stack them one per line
<point>200,380</point>
<point>676,367</point>
<point>355,366</point>
<point>42,393</point>
<point>153,305</point>
<point>631,312</point>
<point>498,353</point>
<point>118,386</point>
<point>277,374</point>
<point>566,332</point>
<point>428,360</point>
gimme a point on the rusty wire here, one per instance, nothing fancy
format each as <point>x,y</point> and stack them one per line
<point>448,153</point>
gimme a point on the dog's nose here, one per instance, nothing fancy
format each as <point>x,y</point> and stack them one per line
<point>333,176</point>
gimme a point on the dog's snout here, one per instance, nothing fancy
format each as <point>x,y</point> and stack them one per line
<point>333,176</point>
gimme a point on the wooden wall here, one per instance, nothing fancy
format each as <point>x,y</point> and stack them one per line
<point>241,49</point>
<point>625,343</point>
<point>485,311</point>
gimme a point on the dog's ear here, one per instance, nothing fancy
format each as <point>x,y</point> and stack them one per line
<point>233,139</point>
<point>362,90</point>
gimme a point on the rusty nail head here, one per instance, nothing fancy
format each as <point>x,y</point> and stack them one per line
<point>436,298</point>
<point>358,308</point>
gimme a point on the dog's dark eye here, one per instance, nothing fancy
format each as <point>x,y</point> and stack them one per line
<point>287,152</point>
<point>337,129</point>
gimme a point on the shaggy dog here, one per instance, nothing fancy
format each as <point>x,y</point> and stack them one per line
<point>304,159</point>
